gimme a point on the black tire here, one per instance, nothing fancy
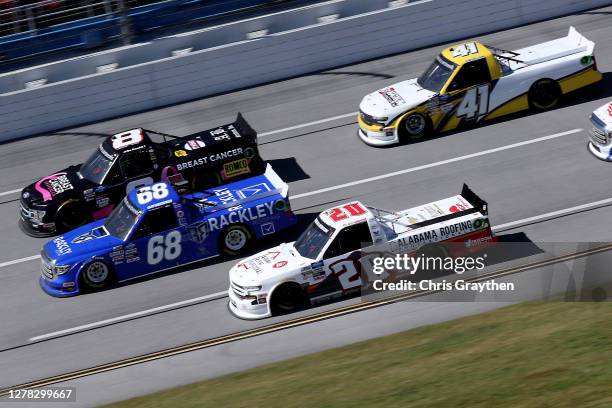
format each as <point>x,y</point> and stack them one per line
<point>70,215</point>
<point>235,239</point>
<point>96,275</point>
<point>287,298</point>
<point>544,94</point>
<point>413,126</point>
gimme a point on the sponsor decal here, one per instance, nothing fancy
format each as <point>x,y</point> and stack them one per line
<point>180,153</point>
<point>131,253</point>
<point>225,196</point>
<point>586,60</point>
<point>117,255</point>
<point>457,208</point>
<point>249,152</point>
<point>102,201</point>
<point>392,96</point>
<point>250,191</point>
<point>236,168</point>
<point>198,232</point>
<point>281,205</point>
<point>194,144</point>
<point>242,215</point>
<point>180,215</point>
<point>88,236</point>
<point>209,159</point>
<point>610,109</point>
<point>436,234</point>
<point>53,185</point>
<point>89,194</point>
<point>279,264</point>
<point>267,228</point>
<point>62,246</point>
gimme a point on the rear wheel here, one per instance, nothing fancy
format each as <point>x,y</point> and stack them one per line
<point>287,298</point>
<point>544,94</point>
<point>235,239</point>
<point>70,215</point>
<point>96,275</point>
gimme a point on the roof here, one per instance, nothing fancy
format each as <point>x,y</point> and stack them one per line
<point>459,54</point>
<point>345,214</point>
<point>153,195</point>
<point>125,140</point>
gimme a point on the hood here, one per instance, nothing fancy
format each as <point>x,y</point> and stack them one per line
<point>395,99</point>
<point>55,188</point>
<point>279,260</point>
<point>88,240</point>
<point>604,114</point>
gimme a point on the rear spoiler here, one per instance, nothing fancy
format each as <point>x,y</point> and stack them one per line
<point>245,129</point>
<point>477,202</point>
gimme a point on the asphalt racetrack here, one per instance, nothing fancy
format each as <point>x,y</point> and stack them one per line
<point>533,169</point>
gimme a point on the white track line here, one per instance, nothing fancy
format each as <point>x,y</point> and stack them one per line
<point>553,214</point>
<point>117,319</point>
<point>20,260</point>
<point>220,295</point>
<point>10,192</point>
<point>393,174</point>
<point>316,122</point>
<point>436,164</point>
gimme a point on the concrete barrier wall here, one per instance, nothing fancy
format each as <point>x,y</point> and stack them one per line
<point>353,37</point>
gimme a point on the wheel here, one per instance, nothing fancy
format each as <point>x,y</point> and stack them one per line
<point>70,215</point>
<point>235,239</point>
<point>413,126</point>
<point>287,298</point>
<point>96,275</point>
<point>544,94</point>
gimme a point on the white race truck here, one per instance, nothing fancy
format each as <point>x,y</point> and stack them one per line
<point>600,138</point>
<point>324,262</point>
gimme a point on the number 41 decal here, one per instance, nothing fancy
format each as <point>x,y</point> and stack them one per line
<point>475,103</point>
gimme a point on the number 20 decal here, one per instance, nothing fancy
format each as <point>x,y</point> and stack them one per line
<point>348,210</point>
<point>146,194</point>
<point>475,101</point>
<point>162,247</point>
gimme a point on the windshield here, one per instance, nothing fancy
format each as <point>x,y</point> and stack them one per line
<point>95,168</point>
<point>434,78</point>
<point>122,219</point>
<point>312,241</point>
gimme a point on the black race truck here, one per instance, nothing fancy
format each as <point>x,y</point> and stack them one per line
<point>81,193</point>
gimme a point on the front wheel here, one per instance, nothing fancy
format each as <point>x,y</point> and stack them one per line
<point>544,94</point>
<point>414,126</point>
<point>287,298</point>
<point>235,239</point>
<point>70,215</point>
<point>96,275</point>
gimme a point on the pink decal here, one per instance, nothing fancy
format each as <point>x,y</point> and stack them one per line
<point>166,170</point>
<point>103,212</point>
<point>46,194</point>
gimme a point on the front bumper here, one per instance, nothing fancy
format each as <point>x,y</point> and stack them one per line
<point>377,139</point>
<point>32,226</point>
<point>601,152</point>
<point>55,287</point>
<point>243,309</point>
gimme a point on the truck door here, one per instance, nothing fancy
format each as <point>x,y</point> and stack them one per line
<point>342,255</point>
<point>472,84</point>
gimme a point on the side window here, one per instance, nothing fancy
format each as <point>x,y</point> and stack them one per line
<point>114,175</point>
<point>472,73</point>
<point>350,239</point>
<point>136,163</point>
<point>156,220</point>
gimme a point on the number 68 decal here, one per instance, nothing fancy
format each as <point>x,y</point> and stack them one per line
<point>146,194</point>
<point>162,247</point>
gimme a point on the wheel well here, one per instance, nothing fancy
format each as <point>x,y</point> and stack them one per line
<point>402,118</point>
<point>286,283</point>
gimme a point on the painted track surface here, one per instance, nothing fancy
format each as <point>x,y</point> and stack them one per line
<point>518,183</point>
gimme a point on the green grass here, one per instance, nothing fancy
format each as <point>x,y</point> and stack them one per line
<point>530,355</point>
